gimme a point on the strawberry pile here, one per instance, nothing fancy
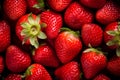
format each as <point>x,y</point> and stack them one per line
<point>59,40</point>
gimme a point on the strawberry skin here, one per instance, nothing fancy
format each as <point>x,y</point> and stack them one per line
<point>59,5</point>
<point>76,15</point>
<point>113,66</point>
<point>92,62</point>
<point>13,77</point>
<point>108,13</point>
<point>46,56</point>
<point>37,72</point>
<point>93,3</point>
<point>53,21</point>
<point>14,9</point>
<point>17,60</point>
<point>1,64</point>
<point>67,46</point>
<point>69,71</point>
<point>91,34</point>
<point>101,77</point>
<point>4,35</point>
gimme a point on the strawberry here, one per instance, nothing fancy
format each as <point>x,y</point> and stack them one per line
<point>91,34</point>
<point>13,77</point>
<point>113,65</point>
<point>1,64</point>
<point>108,13</point>
<point>93,3</point>
<point>53,21</point>
<point>45,55</point>
<point>35,6</point>
<point>93,61</point>
<point>37,72</point>
<point>14,9</point>
<point>59,5</point>
<point>69,71</point>
<point>29,29</point>
<point>111,36</point>
<point>67,46</point>
<point>17,60</point>
<point>4,35</point>
<point>76,15</point>
<point>101,77</point>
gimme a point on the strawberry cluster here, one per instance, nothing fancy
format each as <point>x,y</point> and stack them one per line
<point>60,40</point>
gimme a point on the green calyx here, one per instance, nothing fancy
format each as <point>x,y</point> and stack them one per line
<point>32,31</point>
<point>40,4</point>
<point>28,72</point>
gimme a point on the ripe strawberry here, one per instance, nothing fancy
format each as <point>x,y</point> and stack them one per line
<point>13,77</point>
<point>59,5</point>
<point>93,3</point>
<point>69,71</point>
<point>14,9</point>
<point>29,29</point>
<point>93,61</point>
<point>53,21</point>
<point>45,55</point>
<point>1,64</point>
<point>4,35</point>
<point>76,15</point>
<point>37,72</point>
<point>35,6</point>
<point>108,13</point>
<point>91,34</point>
<point>67,46</point>
<point>17,60</point>
<point>101,77</point>
<point>113,66</point>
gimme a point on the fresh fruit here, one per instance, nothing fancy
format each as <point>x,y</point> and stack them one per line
<point>93,61</point>
<point>59,5</point>
<point>113,65</point>
<point>46,56</point>
<point>17,60</point>
<point>69,71</point>
<point>1,64</point>
<point>93,3</point>
<point>14,9</point>
<point>101,77</point>
<point>76,15</point>
<point>67,46</point>
<point>35,6</point>
<point>37,72</point>
<point>29,29</point>
<point>4,35</point>
<point>13,77</point>
<point>53,23</point>
<point>108,13</point>
<point>92,34</point>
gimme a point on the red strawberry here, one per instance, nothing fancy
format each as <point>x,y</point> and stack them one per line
<point>14,9</point>
<point>76,15</point>
<point>1,64</point>
<point>59,5</point>
<point>92,34</point>
<point>114,66</point>
<point>45,55</point>
<point>35,6</point>
<point>101,77</point>
<point>16,59</point>
<point>37,72</point>
<point>69,71</point>
<point>93,61</point>
<point>93,3</point>
<point>29,29</point>
<point>67,46</point>
<point>4,35</point>
<point>13,77</point>
<point>108,13</point>
<point>53,21</point>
